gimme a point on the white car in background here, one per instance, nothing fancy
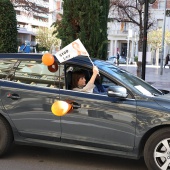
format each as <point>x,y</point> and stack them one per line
<point>113,60</point>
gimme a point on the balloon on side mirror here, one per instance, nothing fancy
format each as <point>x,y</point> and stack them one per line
<point>117,91</point>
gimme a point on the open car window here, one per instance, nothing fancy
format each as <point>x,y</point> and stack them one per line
<point>69,70</point>
<point>101,80</point>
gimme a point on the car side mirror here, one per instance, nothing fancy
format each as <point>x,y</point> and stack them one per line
<point>117,91</point>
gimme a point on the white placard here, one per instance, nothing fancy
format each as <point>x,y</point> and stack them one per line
<point>72,50</point>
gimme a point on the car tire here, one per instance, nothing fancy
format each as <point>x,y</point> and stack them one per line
<point>6,137</point>
<point>157,150</point>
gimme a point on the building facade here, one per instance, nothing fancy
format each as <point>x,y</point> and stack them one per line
<point>158,12</point>
<point>123,37</point>
<point>29,22</point>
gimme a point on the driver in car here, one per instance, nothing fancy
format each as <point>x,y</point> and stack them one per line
<point>79,82</point>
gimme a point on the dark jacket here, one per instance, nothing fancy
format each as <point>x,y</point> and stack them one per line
<point>167,59</point>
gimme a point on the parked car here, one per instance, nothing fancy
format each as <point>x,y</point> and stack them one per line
<point>131,121</point>
<point>113,60</point>
<point>122,60</point>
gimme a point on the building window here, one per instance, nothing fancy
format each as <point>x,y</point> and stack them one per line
<point>62,3</point>
<point>161,4</point>
<point>59,5</point>
<point>18,12</point>
<point>159,23</point>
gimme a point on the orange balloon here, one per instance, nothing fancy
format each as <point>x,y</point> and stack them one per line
<point>48,59</point>
<point>60,108</point>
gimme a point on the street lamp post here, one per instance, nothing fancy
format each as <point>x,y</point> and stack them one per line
<point>146,2</point>
<point>127,57</point>
<point>144,41</point>
<point>163,38</point>
<point>129,36</point>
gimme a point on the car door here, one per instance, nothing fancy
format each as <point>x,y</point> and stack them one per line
<point>99,121</point>
<point>28,102</point>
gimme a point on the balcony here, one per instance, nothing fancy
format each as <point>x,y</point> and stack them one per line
<point>117,32</point>
<point>41,16</point>
<point>26,20</point>
<point>40,3</point>
<point>22,18</point>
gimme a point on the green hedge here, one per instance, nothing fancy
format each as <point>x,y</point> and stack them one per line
<point>8,27</point>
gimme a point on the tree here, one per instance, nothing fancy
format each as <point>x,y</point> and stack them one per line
<point>155,40</point>
<point>86,20</point>
<point>30,6</point>
<point>8,27</point>
<point>128,11</point>
<point>46,40</point>
<point>131,11</point>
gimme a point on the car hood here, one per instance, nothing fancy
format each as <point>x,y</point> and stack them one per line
<point>163,100</point>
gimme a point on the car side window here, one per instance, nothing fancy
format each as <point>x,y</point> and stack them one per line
<point>106,82</point>
<point>69,70</point>
<point>100,80</point>
<point>34,73</point>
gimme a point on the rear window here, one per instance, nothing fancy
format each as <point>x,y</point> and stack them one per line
<point>5,68</point>
<point>32,73</point>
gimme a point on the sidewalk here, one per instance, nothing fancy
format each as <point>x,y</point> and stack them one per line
<point>152,75</point>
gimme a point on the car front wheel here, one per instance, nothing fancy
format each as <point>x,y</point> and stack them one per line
<point>6,136</point>
<point>157,150</point>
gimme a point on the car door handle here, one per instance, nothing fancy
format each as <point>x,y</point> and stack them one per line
<point>76,105</point>
<point>13,96</point>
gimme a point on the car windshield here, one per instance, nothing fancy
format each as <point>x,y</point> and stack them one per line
<point>135,83</point>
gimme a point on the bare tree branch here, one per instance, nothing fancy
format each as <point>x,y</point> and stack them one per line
<point>129,11</point>
<point>30,6</point>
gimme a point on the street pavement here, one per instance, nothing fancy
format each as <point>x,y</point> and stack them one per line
<point>152,75</point>
<point>38,158</point>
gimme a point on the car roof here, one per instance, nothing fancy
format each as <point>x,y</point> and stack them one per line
<point>21,56</point>
<point>81,60</point>
<point>38,56</point>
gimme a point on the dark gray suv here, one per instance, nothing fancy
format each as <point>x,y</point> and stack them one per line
<point>131,120</point>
